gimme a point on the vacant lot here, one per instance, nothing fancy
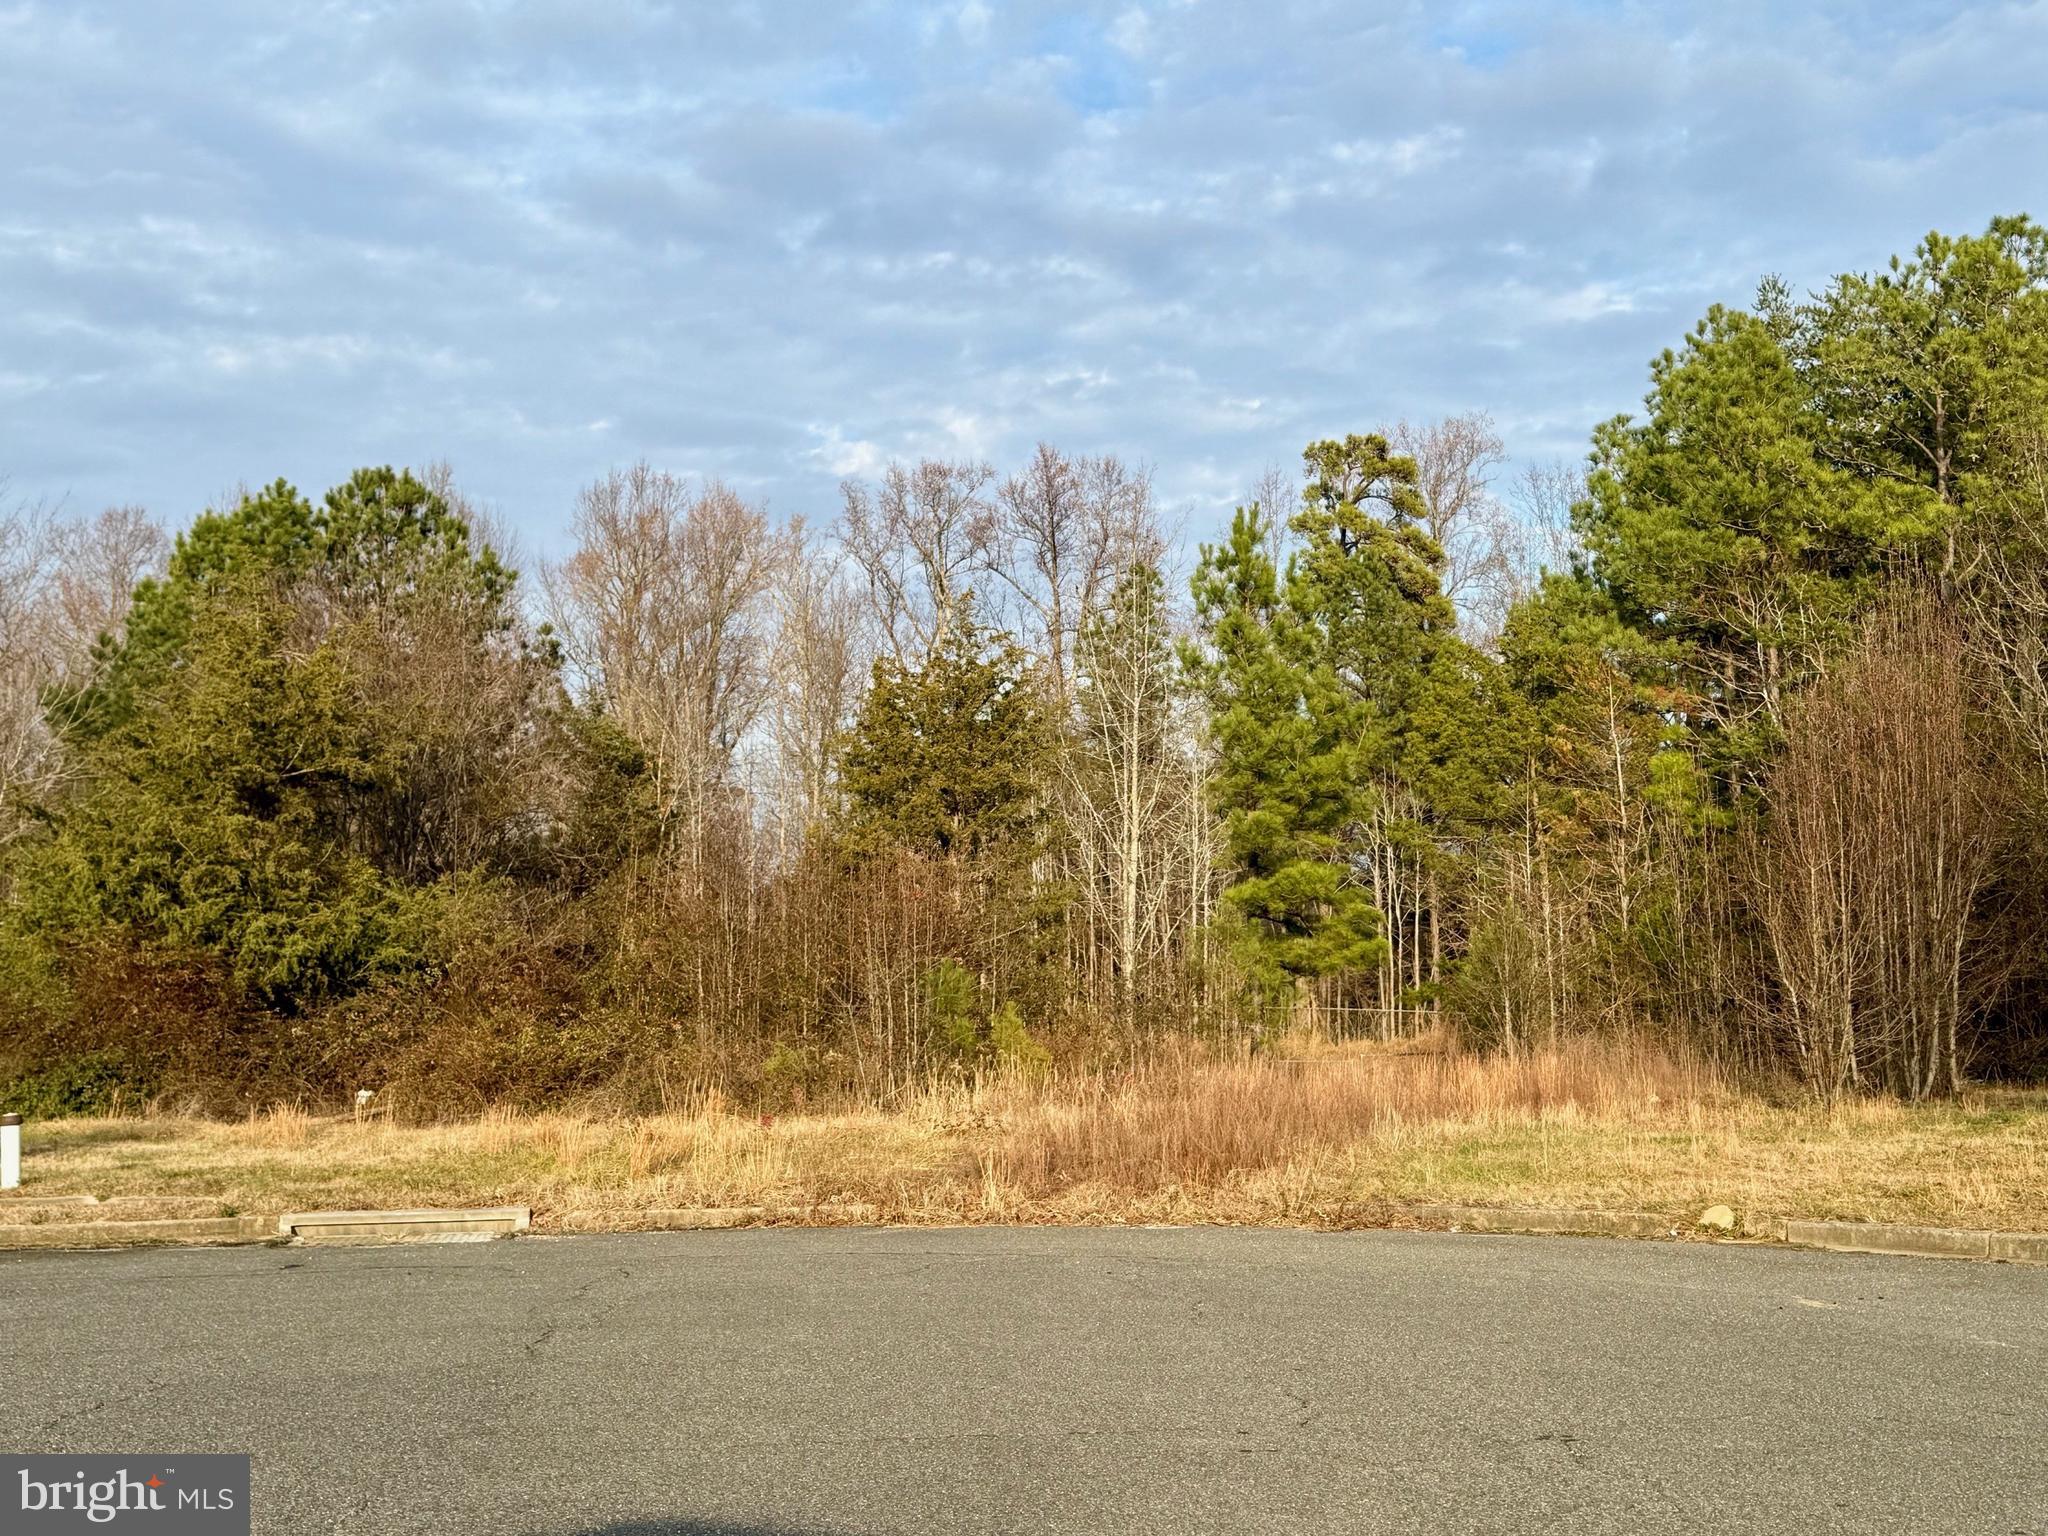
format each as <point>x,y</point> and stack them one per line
<point>1318,1140</point>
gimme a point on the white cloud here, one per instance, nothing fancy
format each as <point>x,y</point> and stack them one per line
<point>1132,31</point>
<point>973,20</point>
<point>845,459</point>
<point>1404,156</point>
<point>783,244</point>
<point>277,354</point>
<point>1588,301</point>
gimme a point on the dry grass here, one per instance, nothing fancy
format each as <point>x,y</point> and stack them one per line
<point>1337,1138</point>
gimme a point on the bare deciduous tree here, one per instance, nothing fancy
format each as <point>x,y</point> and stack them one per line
<point>98,563</point>
<point>664,617</point>
<point>468,700</point>
<point>1878,844</point>
<point>1060,534</point>
<point>817,671</point>
<point>63,585</point>
<point>28,561</point>
<point>1543,496</point>
<point>916,540</point>
<point>1131,782</point>
<point>1455,460</point>
<point>2008,603</point>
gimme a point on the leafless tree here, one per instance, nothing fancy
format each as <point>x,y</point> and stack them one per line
<point>98,564</point>
<point>1277,494</point>
<point>2007,599</point>
<point>465,704</point>
<point>63,585</point>
<point>29,542</point>
<point>1455,460</point>
<point>816,673</point>
<point>1543,497</point>
<point>1879,841</point>
<point>1130,783</point>
<point>917,540</point>
<point>487,526</point>
<point>1060,534</point>
<point>665,620</point>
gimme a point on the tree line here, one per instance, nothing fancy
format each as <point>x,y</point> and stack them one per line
<point>1736,733</point>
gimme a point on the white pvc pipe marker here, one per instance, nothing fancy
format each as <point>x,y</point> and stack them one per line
<point>10,1151</point>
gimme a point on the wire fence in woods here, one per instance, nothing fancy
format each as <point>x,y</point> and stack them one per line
<point>1362,1021</point>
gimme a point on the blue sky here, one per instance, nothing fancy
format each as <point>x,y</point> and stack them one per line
<point>782,243</point>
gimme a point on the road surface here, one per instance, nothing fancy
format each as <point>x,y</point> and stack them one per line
<point>1177,1381</point>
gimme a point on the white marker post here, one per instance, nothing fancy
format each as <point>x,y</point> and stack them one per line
<point>10,1151</point>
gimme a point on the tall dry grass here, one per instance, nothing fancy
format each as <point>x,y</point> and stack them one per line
<point>1334,1138</point>
<point>1185,1119</point>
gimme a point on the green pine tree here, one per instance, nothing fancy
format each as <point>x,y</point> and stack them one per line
<point>1286,741</point>
<point>261,775</point>
<point>950,759</point>
<point>1719,524</point>
<point>1913,371</point>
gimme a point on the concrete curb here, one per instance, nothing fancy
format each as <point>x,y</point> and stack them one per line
<point>686,1218</point>
<point>1920,1242</point>
<point>207,1230</point>
<point>14,1200</point>
<point>1537,1220</point>
<point>402,1226</point>
<point>2019,1247</point>
<point>1470,1218</point>
<point>502,1221</point>
<point>87,1210</point>
<point>1830,1236</point>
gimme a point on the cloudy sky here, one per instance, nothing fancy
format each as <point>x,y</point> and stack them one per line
<point>781,243</point>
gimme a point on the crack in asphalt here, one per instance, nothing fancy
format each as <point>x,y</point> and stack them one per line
<point>99,1405</point>
<point>582,1292</point>
<point>1304,1403</point>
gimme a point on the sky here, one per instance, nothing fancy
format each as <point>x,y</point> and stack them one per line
<point>781,244</point>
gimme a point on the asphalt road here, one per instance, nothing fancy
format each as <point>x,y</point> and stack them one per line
<point>1038,1381</point>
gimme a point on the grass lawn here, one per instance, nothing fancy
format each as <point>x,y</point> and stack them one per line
<point>1331,1140</point>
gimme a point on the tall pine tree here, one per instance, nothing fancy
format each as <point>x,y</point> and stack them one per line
<point>1287,740</point>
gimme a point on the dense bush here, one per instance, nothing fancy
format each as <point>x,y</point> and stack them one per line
<point>99,1083</point>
